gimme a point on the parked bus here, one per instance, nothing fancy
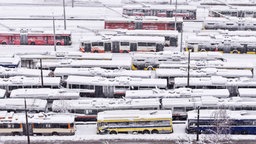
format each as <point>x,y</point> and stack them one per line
<point>148,61</point>
<point>231,23</point>
<point>222,122</point>
<point>147,23</point>
<point>111,87</point>
<point>96,71</point>
<point>69,63</point>
<point>10,72</point>
<point>9,61</point>
<point>135,121</point>
<point>45,93</point>
<point>86,109</point>
<point>26,37</point>
<point>38,124</point>
<point>122,44</point>
<point>184,11</point>
<point>216,82</point>
<point>241,11</point>
<point>170,36</point>
<point>16,82</point>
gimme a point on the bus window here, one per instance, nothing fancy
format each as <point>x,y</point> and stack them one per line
<point>124,43</point>
<point>138,25</point>
<point>87,47</point>
<point>133,47</point>
<point>116,46</point>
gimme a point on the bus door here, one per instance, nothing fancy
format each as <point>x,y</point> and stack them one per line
<point>107,47</point>
<point>244,49</point>
<point>138,25</point>
<point>87,47</point>
<point>99,91</point>
<point>67,40</point>
<point>159,47</point>
<point>29,130</point>
<point>116,46</point>
<point>108,91</point>
<point>169,13</point>
<point>23,38</point>
<point>133,47</point>
<point>173,41</point>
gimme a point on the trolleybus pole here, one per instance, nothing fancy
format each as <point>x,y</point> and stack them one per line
<point>175,24</point>
<point>27,127</point>
<point>64,14</point>
<point>197,132</point>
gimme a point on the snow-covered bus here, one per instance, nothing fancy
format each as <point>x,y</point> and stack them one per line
<point>10,72</point>
<point>170,36</point>
<point>222,122</point>
<point>69,63</point>
<point>86,109</point>
<point>9,61</point>
<point>16,82</point>
<point>222,43</point>
<point>38,124</point>
<point>45,93</point>
<point>147,23</point>
<point>122,44</point>
<point>241,11</point>
<point>216,82</point>
<point>135,121</point>
<point>111,87</point>
<point>231,23</point>
<point>176,93</point>
<point>18,105</point>
<point>186,12</point>
<point>97,71</point>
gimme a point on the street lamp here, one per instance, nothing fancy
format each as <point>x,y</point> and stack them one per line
<point>64,14</point>
<point>54,35</point>
<point>175,24</point>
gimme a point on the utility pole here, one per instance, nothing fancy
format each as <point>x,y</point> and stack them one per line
<point>42,78</point>
<point>72,3</point>
<point>27,127</point>
<point>175,24</point>
<point>181,37</point>
<point>64,14</point>
<point>188,68</point>
<point>197,132</point>
<point>54,35</point>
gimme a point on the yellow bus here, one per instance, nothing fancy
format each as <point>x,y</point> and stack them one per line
<point>135,121</point>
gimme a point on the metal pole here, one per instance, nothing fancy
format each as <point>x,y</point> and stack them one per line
<point>188,68</point>
<point>42,78</point>
<point>27,127</point>
<point>197,132</point>
<point>175,24</point>
<point>64,13</point>
<point>72,3</point>
<point>54,37</point>
<point>181,37</point>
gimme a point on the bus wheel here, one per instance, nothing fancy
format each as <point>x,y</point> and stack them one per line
<point>125,51</point>
<point>58,43</point>
<point>112,132</point>
<point>95,51</point>
<point>146,132</point>
<point>4,43</point>
<point>235,52</point>
<point>32,43</point>
<point>55,133</point>
<point>155,132</point>
<point>149,68</point>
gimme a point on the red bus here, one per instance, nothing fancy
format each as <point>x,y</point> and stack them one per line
<point>25,37</point>
<point>148,23</point>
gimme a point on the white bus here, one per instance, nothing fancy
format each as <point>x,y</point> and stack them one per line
<point>216,82</point>
<point>241,11</point>
<point>171,36</point>
<point>45,93</point>
<point>122,44</point>
<point>187,12</point>
<point>97,71</point>
<point>16,82</point>
<point>153,60</point>
<point>18,105</point>
<point>176,93</point>
<point>135,121</point>
<point>111,87</point>
<point>38,124</point>
<point>30,60</point>
<point>69,63</point>
<point>10,72</point>
<point>87,109</point>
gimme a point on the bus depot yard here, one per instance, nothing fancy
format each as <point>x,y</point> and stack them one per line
<point>141,71</point>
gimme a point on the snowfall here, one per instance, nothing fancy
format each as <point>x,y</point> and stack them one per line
<point>96,12</point>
